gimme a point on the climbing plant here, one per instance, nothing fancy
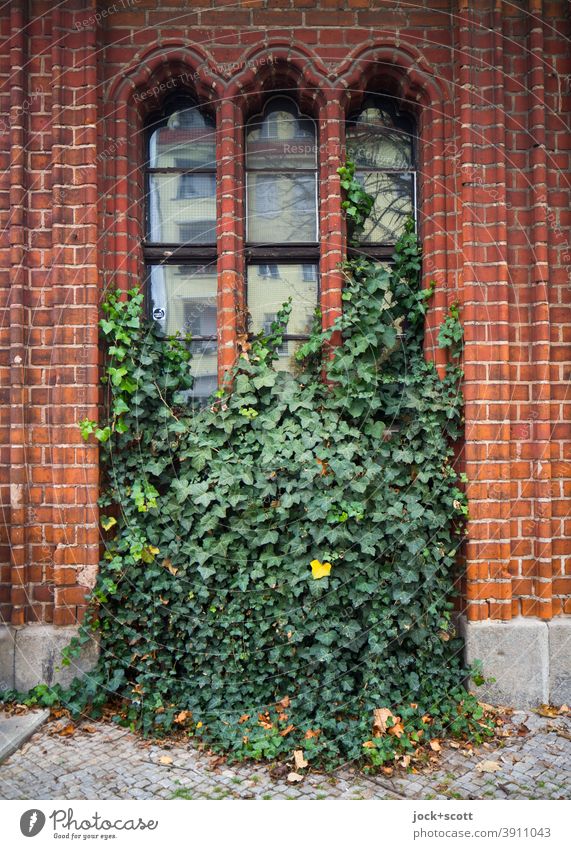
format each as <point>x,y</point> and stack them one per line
<point>280,564</point>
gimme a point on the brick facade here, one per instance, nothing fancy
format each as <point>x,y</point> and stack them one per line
<point>490,85</point>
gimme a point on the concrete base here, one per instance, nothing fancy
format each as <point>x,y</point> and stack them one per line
<point>31,655</point>
<point>15,730</point>
<point>530,660</point>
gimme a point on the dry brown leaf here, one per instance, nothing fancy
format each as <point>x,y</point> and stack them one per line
<point>547,710</point>
<point>67,730</point>
<point>310,733</point>
<point>265,721</point>
<point>563,709</point>
<point>294,778</point>
<point>285,702</point>
<point>244,718</point>
<point>397,729</point>
<point>522,730</point>
<point>369,745</point>
<point>387,770</point>
<point>298,759</point>
<point>287,731</point>
<point>454,745</point>
<point>89,729</point>
<point>435,745</point>
<point>165,760</point>
<point>488,766</point>
<point>380,716</point>
<point>168,565</point>
<point>181,717</point>
<point>405,761</point>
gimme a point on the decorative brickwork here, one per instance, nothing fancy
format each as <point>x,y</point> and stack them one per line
<point>490,86</point>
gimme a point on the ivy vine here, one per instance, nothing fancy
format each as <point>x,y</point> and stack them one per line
<point>281,563</point>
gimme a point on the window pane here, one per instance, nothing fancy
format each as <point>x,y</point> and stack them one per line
<point>394,202</point>
<point>204,368</point>
<point>282,208</point>
<point>184,299</point>
<point>374,141</point>
<point>188,140</point>
<point>268,292</point>
<point>281,139</point>
<point>182,208</point>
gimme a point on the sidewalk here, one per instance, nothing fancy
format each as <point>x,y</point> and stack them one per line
<point>101,760</point>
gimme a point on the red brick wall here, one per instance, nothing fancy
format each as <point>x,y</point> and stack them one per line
<point>491,88</point>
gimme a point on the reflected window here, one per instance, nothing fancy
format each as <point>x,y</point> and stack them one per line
<point>380,141</point>
<point>180,248</point>
<point>281,212</point>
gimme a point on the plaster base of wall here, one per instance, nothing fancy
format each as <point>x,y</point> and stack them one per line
<point>530,660</point>
<point>31,655</point>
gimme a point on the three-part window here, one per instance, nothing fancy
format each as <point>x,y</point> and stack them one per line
<point>282,234</point>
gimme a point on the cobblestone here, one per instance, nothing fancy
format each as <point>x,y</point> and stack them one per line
<point>113,763</point>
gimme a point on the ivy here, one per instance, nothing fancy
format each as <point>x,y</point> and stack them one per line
<point>281,563</point>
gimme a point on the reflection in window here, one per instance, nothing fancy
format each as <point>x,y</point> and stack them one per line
<point>267,295</point>
<point>184,300</point>
<point>182,179</point>
<point>380,142</point>
<point>281,166</point>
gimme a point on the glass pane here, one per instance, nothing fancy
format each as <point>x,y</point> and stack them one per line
<point>204,367</point>
<point>269,287</point>
<point>182,208</point>
<point>188,140</point>
<point>281,139</point>
<point>184,300</point>
<point>373,141</point>
<point>393,195</point>
<point>282,208</point>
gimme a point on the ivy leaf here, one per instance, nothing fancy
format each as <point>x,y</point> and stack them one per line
<point>319,570</point>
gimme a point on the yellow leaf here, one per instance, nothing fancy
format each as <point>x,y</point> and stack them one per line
<point>319,570</point>
<point>153,549</point>
<point>107,522</point>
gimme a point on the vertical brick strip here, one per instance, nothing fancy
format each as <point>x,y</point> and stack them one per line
<point>230,230</point>
<point>332,232</point>
<point>540,325</point>
<point>18,318</point>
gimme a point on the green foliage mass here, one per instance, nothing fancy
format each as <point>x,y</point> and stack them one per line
<point>206,603</point>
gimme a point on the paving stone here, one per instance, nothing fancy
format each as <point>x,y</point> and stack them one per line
<point>537,765</point>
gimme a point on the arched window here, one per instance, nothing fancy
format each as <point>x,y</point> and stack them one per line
<point>380,140</point>
<point>180,244</point>
<point>282,230</point>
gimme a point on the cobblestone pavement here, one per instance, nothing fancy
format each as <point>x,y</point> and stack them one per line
<point>111,763</point>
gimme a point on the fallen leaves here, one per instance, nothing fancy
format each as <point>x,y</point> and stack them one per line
<point>548,710</point>
<point>311,734</point>
<point>244,718</point>
<point>167,563</point>
<point>182,717</point>
<point>265,721</point>
<point>488,766</point>
<point>299,759</point>
<point>435,745</point>
<point>287,730</point>
<point>381,726</point>
<point>294,778</point>
<point>165,760</point>
<point>319,570</point>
